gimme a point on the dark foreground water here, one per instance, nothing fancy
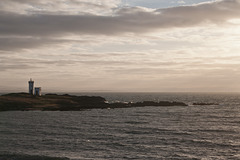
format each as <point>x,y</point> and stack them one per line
<point>192,132</point>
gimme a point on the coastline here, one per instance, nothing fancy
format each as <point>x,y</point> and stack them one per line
<point>66,102</point>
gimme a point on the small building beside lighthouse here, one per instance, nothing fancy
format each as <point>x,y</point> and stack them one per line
<point>37,90</point>
<point>30,86</point>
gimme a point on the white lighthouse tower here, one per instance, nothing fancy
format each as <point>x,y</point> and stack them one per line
<point>31,84</point>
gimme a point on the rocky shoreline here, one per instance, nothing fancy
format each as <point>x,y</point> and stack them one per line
<point>65,102</point>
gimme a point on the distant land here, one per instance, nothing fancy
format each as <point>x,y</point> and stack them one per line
<point>66,102</point>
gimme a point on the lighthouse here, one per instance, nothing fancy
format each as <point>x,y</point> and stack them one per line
<point>31,84</point>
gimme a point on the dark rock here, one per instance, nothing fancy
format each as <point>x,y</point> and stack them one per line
<point>204,104</point>
<point>54,102</point>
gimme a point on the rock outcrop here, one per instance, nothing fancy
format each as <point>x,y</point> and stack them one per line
<point>54,102</point>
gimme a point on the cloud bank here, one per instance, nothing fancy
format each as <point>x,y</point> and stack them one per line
<point>123,20</point>
<point>44,23</point>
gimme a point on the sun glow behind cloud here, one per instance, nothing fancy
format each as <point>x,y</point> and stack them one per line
<point>188,48</point>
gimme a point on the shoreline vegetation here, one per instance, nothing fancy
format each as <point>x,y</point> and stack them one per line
<point>66,102</point>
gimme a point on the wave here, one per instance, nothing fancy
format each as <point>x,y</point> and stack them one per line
<point>12,156</point>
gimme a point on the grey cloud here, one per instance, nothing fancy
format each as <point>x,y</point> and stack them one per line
<point>125,20</point>
<point>21,42</point>
<point>217,12</point>
<point>13,43</point>
<point>100,3</point>
<point>14,63</point>
<point>10,63</point>
<point>14,67</point>
<point>48,25</point>
<point>57,6</point>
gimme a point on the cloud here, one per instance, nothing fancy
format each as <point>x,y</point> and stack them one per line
<point>21,42</point>
<point>58,6</point>
<point>133,20</point>
<point>181,2</point>
<point>122,20</point>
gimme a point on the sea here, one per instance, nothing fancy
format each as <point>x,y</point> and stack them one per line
<point>203,132</point>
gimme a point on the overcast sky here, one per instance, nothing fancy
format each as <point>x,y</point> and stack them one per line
<point>120,45</point>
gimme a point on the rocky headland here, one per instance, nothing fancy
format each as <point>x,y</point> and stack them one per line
<point>204,104</point>
<point>65,102</point>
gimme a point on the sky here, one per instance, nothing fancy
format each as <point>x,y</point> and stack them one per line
<point>120,45</point>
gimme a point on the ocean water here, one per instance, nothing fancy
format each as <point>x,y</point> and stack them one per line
<point>144,133</point>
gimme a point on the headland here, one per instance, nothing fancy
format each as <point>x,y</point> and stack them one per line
<point>65,102</point>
